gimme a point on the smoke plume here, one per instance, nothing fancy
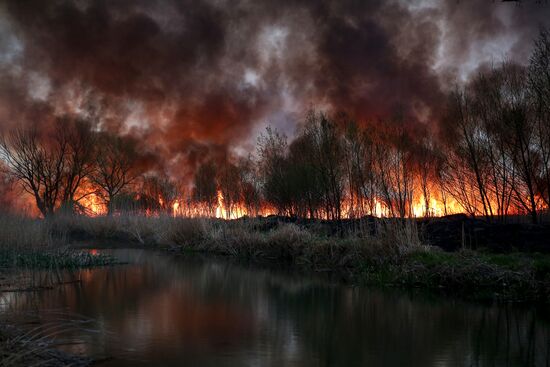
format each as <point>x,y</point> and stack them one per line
<point>199,79</point>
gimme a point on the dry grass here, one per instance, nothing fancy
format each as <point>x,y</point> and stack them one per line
<point>21,233</point>
<point>290,243</point>
<point>384,251</point>
<point>33,255</point>
<point>252,238</point>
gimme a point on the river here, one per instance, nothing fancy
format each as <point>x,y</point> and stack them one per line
<point>160,310</point>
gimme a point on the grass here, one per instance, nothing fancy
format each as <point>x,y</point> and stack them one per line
<point>384,252</point>
<point>34,256</point>
<point>478,275</point>
<point>30,248</point>
<point>60,258</point>
<point>36,244</point>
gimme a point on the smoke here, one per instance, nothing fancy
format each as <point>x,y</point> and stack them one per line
<point>197,80</point>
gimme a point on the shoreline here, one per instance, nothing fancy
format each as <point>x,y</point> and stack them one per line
<point>439,274</point>
<point>383,253</point>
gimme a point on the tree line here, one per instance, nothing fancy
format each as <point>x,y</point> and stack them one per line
<point>490,156</point>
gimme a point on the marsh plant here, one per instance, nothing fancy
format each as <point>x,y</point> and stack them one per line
<point>34,254</point>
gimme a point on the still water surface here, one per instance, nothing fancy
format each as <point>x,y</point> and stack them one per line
<point>162,311</point>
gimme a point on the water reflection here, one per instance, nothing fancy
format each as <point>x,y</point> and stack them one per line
<point>158,310</point>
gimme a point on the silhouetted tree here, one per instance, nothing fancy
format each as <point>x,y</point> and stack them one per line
<point>115,167</point>
<point>249,183</point>
<point>162,190</point>
<point>205,191</point>
<point>229,183</point>
<point>50,164</point>
<point>539,89</point>
<point>273,168</point>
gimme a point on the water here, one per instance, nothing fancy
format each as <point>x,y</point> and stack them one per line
<point>163,311</point>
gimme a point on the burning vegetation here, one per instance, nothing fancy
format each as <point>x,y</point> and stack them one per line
<point>414,150</point>
<point>491,158</point>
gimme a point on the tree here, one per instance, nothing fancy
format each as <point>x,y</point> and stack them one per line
<point>249,184</point>
<point>519,130</point>
<point>327,158</point>
<point>426,163</point>
<point>162,191</point>
<point>205,191</point>
<point>304,178</point>
<point>115,167</point>
<point>489,100</point>
<point>359,163</point>
<point>79,159</point>
<point>538,80</point>
<point>273,169</point>
<point>230,188</point>
<point>467,150</point>
<point>51,164</point>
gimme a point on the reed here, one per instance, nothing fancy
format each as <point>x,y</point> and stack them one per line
<point>23,345</point>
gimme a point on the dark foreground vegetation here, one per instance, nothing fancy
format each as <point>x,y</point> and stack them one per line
<point>32,259</point>
<point>370,251</point>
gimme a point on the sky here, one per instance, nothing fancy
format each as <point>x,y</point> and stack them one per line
<point>199,79</point>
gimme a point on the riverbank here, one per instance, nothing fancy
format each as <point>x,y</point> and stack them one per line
<point>33,259</point>
<point>372,252</point>
<point>391,259</point>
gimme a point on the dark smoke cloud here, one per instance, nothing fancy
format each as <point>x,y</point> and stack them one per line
<point>193,79</point>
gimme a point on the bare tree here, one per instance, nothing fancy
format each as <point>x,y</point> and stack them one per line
<point>426,162</point>
<point>79,159</point>
<point>539,90</point>
<point>359,165</point>
<point>328,160</point>
<point>205,189</point>
<point>304,178</point>
<point>273,169</point>
<point>230,188</point>
<point>162,190</point>
<point>517,119</point>
<point>489,99</point>
<point>467,148</point>
<point>115,167</point>
<point>37,164</point>
<point>249,183</point>
<point>456,178</point>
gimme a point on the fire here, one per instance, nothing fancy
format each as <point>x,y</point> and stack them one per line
<point>436,208</point>
<point>93,205</point>
<point>438,205</point>
<point>175,208</point>
<point>219,206</point>
<point>238,210</point>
